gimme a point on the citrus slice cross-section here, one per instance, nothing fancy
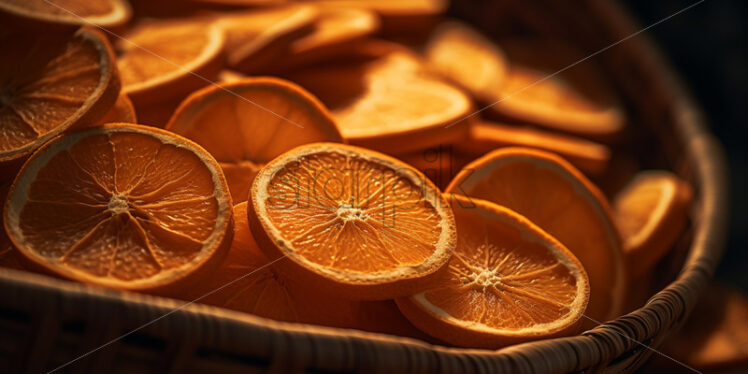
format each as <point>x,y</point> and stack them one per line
<point>575,100</point>
<point>248,122</point>
<point>51,83</point>
<point>351,221</point>
<point>166,60</point>
<point>123,206</point>
<point>560,200</point>
<point>507,282</point>
<point>368,95</point>
<point>651,212</point>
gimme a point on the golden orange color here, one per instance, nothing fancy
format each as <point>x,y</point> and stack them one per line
<point>461,54</point>
<point>122,111</point>
<point>352,221</point>
<point>50,84</point>
<point>384,100</point>
<point>122,206</point>
<point>398,16</point>
<point>588,156</point>
<point>73,13</point>
<point>651,213</point>
<point>248,122</point>
<point>257,38</point>
<point>336,30</point>
<point>714,339</point>
<point>166,60</point>
<point>228,75</point>
<point>554,195</point>
<point>507,282</point>
<point>575,100</point>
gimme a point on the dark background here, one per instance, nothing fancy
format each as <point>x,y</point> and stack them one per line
<point>707,45</point>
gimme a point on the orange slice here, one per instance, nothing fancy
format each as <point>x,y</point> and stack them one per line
<point>651,213</point>
<point>122,206</point>
<point>248,122</point>
<point>247,281</point>
<point>461,54</point>
<point>575,100</point>
<point>122,111</point>
<point>589,156</point>
<point>167,60</point>
<point>559,199</point>
<point>351,221</point>
<point>74,13</point>
<point>369,95</point>
<point>260,37</point>
<point>50,84</point>
<point>336,29</point>
<point>398,16</point>
<point>508,282</point>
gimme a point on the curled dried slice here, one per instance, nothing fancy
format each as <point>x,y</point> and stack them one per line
<point>651,213</point>
<point>250,121</point>
<point>73,13</point>
<point>351,221</point>
<point>123,206</point>
<point>51,83</point>
<point>563,202</point>
<point>507,282</point>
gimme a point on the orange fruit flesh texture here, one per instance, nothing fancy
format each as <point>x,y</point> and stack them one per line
<point>252,123</point>
<point>119,206</point>
<point>367,98</point>
<point>51,83</point>
<point>651,213</point>
<point>352,220</point>
<point>552,194</point>
<point>162,62</point>
<point>507,282</point>
<point>575,101</point>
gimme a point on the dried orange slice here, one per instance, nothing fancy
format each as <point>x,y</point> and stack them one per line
<point>257,38</point>
<point>575,100</point>
<point>122,206</point>
<point>351,221</point>
<point>507,282</point>
<point>369,95</point>
<point>166,60</point>
<point>461,54</point>
<point>588,156</point>
<point>559,199</point>
<point>50,84</point>
<point>248,122</point>
<point>74,13</point>
<point>336,29</point>
<point>246,281</point>
<point>398,16</point>
<point>651,212</point>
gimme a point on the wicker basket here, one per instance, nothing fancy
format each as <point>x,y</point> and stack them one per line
<point>46,322</point>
